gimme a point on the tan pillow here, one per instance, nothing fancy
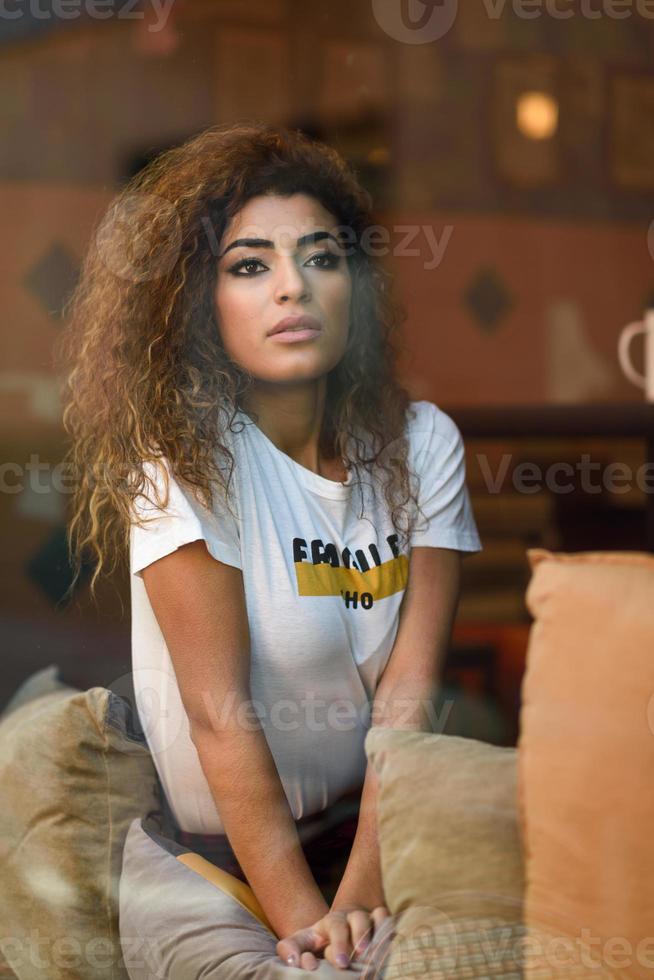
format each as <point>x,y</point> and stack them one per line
<point>450,853</point>
<point>586,762</point>
<point>73,775</point>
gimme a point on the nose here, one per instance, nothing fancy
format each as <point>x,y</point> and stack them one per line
<point>290,284</point>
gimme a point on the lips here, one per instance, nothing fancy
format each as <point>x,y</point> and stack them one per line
<point>304,322</point>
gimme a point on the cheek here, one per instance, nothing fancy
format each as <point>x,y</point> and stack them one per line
<point>337,298</point>
<point>235,314</point>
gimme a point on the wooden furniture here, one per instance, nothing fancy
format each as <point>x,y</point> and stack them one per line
<point>604,420</point>
<point>488,651</point>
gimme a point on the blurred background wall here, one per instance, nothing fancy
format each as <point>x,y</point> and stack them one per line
<point>510,154</point>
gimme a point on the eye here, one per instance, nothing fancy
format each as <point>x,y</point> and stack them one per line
<point>243,264</point>
<point>325,260</point>
<point>331,260</point>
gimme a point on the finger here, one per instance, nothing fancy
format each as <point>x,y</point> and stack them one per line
<point>330,955</point>
<point>339,937</point>
<point>308,961</point>
<point>385,924</point>
<point>361,930</point>
<point>291,947</point>
<point>372,935</point>
<point>379,913</point>
<point>376,955</point>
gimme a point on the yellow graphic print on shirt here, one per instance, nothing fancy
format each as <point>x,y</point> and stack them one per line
<point>321,570</point>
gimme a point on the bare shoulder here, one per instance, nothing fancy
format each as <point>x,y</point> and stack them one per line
<point>190,564</point>
<point>199,603</point>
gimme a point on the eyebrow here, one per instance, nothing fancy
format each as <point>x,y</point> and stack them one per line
<point>314,236</point>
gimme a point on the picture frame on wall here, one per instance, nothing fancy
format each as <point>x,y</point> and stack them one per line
<point>631,134</point>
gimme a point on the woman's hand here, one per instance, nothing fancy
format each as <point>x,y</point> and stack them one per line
<point>341,936</point>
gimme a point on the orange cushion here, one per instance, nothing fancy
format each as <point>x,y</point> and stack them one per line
<point>586,759</point>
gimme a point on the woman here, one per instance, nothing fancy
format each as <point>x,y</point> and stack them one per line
<point>238,429</point>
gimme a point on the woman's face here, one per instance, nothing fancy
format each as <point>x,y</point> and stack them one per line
<point>258,284</point>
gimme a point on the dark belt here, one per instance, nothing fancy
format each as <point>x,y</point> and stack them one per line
<point>335,828</point>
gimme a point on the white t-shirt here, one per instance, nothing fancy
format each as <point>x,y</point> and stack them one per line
<point>323,589</point>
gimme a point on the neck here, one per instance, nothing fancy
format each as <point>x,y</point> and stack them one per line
<point>291,416</point>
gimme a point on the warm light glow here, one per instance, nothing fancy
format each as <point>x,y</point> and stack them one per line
<point>380,155</point>
<point>537,115</point>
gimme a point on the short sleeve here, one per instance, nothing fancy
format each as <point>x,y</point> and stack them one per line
<point>437,457</point>
<point>183,520</point>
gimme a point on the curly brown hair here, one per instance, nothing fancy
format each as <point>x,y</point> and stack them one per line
<point>144,369</point>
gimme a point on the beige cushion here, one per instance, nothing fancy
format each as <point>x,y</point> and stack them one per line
<point>198,923</point>
<point>72,778</point>
<point>586,761</point>
<point>450,852</point>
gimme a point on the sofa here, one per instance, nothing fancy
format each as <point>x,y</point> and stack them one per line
<point>531,861</point>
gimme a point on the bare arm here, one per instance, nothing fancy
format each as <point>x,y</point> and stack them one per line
<point>199,603</point>
<point>410,681</point>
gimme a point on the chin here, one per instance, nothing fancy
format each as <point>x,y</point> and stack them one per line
<point>295,366</point>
